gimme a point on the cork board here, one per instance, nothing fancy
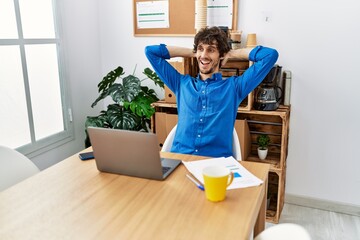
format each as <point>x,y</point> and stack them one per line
<point>181,19</point>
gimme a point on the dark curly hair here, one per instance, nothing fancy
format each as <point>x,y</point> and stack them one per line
<point>213,35</point>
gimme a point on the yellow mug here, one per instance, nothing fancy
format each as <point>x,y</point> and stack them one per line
<point>216,179</point>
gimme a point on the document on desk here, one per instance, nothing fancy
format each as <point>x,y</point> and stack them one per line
<point>242,177</point>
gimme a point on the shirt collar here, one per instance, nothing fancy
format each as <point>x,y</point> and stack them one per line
<point>215,77</point>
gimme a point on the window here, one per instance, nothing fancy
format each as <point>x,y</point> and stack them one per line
<point>34,112</point>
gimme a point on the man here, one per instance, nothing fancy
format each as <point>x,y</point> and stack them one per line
<point>207,105</point>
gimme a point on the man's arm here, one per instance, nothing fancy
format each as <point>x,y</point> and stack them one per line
<point>242,54</point>
<point>180,51</point>
<point>157,56</point>
<point>263,59</point>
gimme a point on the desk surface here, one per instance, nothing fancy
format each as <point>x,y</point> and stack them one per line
<point>73,200</point>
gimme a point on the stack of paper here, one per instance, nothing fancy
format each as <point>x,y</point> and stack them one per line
<point>242,177</point>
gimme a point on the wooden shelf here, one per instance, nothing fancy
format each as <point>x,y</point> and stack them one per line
<point>271,159</point>
<point>270,216</point>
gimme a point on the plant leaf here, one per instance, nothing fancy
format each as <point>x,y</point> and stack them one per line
<point>126,91</point>
<point>154,77</point>
<point>106,84</point>
<point>103,95</point>
<point>98,121</point>
<point>120,118</point>
<point>131,87</point>
<point>141,106</point>
<point>116,91</point>
<point>150,93</point>
<point>110,78</point>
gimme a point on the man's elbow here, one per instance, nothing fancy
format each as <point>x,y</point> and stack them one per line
<point>147,50</point>
<point>274,55</point>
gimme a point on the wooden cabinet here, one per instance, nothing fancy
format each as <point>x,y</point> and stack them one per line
<point>273,123</point>
<point>276,125</point>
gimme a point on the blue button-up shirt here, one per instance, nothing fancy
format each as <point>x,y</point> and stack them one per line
<point>207,109</point>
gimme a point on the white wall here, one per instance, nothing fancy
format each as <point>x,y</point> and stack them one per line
<point>317,41</point>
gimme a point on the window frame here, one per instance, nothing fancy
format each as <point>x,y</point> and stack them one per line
<point>37,147</point>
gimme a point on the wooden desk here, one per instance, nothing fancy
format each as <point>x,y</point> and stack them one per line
<point>73,200</point>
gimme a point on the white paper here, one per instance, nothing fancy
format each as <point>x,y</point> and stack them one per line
<point>242,177</point>
<point>220,13</point>
<point>152,14</point>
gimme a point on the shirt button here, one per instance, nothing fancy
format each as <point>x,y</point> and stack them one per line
<point>203,106</point>
<point>199,135</point>
<point>196,150</point>
<point>203,92</point>
<point>201,120</point>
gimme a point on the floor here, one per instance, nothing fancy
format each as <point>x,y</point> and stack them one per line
<point>322,225</point>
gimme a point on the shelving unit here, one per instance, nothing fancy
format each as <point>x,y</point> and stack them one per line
<point>273,123</point>
<point>276,125</point>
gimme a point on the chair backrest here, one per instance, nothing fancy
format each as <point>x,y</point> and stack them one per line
<point>284,231</point>
<point>170,138</point>
<point>236,146</point>
<point>14,167</point>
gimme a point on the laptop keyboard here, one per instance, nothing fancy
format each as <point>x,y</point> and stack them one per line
<point>165,169</point>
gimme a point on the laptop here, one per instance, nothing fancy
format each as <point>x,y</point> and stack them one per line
<point>129,153</point>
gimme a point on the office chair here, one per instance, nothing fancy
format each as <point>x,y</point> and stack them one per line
<point>170,138</point>
<point>284,231</point>
<point>14,167</point>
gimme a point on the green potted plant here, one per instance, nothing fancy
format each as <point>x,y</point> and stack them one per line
<point>131,109</point>
<point>263,141</point>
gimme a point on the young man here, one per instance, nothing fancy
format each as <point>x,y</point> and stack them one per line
<point>207,104</point>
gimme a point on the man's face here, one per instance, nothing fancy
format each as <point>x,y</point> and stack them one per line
<point>208,58</point>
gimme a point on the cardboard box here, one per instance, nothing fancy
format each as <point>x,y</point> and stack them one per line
<point>160,129</point>
<point>163,125</point>
<point>243,132</point>
<point>171,121</point>
<point>169,96</point>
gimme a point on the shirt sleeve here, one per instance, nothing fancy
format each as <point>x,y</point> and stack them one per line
<point>157,56</point>
<point>263,59</point>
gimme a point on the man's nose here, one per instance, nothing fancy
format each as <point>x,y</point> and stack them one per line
<point>204,53</point>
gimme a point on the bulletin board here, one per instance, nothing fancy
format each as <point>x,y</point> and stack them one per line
<point>181,19</point>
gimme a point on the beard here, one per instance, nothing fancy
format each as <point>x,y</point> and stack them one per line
<point>209,68</point>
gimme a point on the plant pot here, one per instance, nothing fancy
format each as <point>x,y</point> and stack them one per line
<point>262,153</point>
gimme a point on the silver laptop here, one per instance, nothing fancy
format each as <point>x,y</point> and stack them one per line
<point>129,153</point>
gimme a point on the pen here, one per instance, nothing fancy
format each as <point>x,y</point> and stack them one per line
<point>196,183</point>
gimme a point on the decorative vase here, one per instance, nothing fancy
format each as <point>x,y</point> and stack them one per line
<point>262,153</point>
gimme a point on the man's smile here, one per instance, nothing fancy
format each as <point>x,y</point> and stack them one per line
<point>205,62</point>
